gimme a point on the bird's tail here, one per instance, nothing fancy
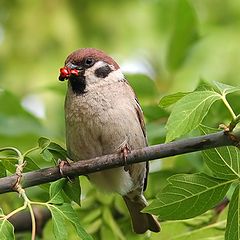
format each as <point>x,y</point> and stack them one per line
<point>141,222</point>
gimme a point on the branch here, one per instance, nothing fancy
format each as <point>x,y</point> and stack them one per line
<point>84,167</point>
<point>22,220</point>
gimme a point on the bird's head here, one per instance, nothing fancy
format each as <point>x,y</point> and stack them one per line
<point>87,67</point>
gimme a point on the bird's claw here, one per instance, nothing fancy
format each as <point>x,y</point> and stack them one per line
<point>61,164</point>
<point>125,150</point>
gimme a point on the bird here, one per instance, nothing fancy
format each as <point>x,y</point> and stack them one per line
<point>103,116</point>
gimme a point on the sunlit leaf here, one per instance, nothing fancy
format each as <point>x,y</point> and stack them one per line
<point>6,230</point>
<point>55,191</point>
<point>189,112</point>
<point>224,161</point>
<point>59,226</point>
<point>225,89</point>
<point>233,220</point>
<point>66,211</point>
<point>188,195</point>
<point>168,100</point>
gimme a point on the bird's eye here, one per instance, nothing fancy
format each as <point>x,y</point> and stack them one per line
<point>89,62</point>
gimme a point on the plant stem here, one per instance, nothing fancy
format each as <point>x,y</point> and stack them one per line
<point>8,158</point>
<point>228,107</point>
<point>16,211</point>
<point>33,220</point>
<point>12,149</point>
<point>30,150</point>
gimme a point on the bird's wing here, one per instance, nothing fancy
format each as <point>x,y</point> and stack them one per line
<point>140,116</point>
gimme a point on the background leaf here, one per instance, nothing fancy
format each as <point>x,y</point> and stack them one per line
<point>143,85</point>
<point>3,172</point>
<point>185,34</point>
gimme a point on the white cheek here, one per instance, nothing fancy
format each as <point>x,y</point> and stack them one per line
<point>93,80</point>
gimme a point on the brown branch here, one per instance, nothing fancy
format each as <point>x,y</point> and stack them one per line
<point>85,167</point>
<point>22,220</point>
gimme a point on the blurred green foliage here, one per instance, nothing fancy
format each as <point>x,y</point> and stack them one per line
<point>170,43</point>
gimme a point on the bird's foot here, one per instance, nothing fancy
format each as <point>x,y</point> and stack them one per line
<point>125,151</point>
<point>61,164</point>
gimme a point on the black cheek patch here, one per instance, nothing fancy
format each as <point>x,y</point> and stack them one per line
<point>78,84</point>
<point>103,72</point>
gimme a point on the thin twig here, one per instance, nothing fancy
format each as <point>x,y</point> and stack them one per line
<point>85,167</point>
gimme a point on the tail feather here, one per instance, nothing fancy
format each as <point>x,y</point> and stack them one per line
<point>141,222</point>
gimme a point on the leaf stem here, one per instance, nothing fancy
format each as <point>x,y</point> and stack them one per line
<point>234,122</point>
<point>228,107</point>
<point>12,149</point>
<point>16,211</point>
<point>30,150</point>
<point>8,158</point>
<point>33,220</point>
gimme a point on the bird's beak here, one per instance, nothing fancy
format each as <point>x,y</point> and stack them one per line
<point>69,70</point>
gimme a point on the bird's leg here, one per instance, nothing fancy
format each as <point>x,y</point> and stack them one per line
<point>124,149</point>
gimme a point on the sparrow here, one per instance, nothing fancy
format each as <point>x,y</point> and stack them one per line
<point>103,116</point>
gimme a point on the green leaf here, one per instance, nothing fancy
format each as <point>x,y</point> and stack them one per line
<point>10,165</point>
<point>51,151</point>
<point>107,233</point>
<point>224,162</point>
<point>6,230</point>
<point>225,89</point>
<point>43,143</point>
<point>233,219</point>
<point>204,85</point>
<point>92,216</point>
<point>66,211</point>
<point>188,195</point>
<point>185,34</point>
<point>13,115</point>
<point>154,112</point>
<point>143,86</point>
<point>73,190</point>
<point>168,100</point>
<point>30,165</point>
<point>212,231</point>
<point>47,156</point>
<point>189,112</point>
<point>59,226</point>
<point>3,172</point>
<point>110,222</point>
<point>55,191</point>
